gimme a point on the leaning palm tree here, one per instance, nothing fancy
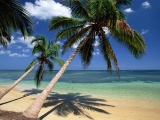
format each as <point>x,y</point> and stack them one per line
<point>13,17</point>
<point>49,52</point>
<point>89,20</point>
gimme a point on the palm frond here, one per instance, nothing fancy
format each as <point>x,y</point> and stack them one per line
<point>79,8</point>
<point>39,75</point>
<point>53,50</point>
<point>66,33</point>
<point>122,3</point>
<point>58,60</point>
<point>50,65</point>
<point>16,17</point>
<point>131,39</point>
<point>86,52</point>
<point>65,22</point>
<point>39,39</point>
<point>108,52</point>
<point>38,48</point>
<point>55,46</point>
<point>3,41</point>
<point>75,38</point>
<point>31,63</point>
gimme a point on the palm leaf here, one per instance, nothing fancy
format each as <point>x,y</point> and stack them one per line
<point>79,8</point>
<point>122,3</point>
<point>39,75</point>
<point>3,41</point>
<point>107,52</point>
<point>66,33</point>
<point>65,22</point>
<point>50,65</point>
<point>15,17</point>
<point>86,52</point>
<point>75,38</point>
<point>131,40</point>
<point>31,63</point>
<point>58,60</point>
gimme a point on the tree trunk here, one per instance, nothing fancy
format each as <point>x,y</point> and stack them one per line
<point>33,110</point>
<point>3,93</point>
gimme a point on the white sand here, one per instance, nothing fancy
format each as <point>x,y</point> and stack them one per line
<point>125,109</point>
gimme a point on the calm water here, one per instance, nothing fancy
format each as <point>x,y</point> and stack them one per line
<point>132,84</point>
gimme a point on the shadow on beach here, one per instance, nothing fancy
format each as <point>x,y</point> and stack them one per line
<point>65,104</point>
<point>27,93</point>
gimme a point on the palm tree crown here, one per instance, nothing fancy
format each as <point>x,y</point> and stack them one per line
<point>89,20</point>
<point>13,17</point>
<point>48,52</point>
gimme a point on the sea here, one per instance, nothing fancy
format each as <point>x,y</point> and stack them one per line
<point>140,84</point>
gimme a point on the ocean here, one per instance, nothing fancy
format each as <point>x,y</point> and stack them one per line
<point>143,84</point>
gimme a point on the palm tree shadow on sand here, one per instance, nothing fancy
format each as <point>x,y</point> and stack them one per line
<point>27,93</point>
<point>65,104</point>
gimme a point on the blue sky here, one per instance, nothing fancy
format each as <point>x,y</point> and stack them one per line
<point>142,16</point>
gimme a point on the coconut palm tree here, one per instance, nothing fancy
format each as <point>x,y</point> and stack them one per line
<point>13,17</point>
<point>49,52</point>
<point>89,20</point>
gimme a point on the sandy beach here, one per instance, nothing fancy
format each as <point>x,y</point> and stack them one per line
<point>115,108</point>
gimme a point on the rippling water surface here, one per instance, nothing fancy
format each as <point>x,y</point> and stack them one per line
<point>132,84</point>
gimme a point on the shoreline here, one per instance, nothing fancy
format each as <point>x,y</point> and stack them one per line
<point>118,108</point>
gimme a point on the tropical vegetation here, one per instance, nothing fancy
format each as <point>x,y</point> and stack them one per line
<point>89,20</point>
<point>48,51</point>
<point>13,17</point>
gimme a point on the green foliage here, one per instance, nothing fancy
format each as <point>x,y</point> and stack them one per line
<point>13,17</point>
<point>89,18</point>
<point>48,51</point>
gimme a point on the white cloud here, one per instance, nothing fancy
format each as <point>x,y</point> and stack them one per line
<point>13,41</point>
<point>146,5</point>
<point>95,53</point>
<point>96,43</point>
<point>144,31</point>
<point>19,47</point>
<point>18,55</point>
<point>75,45</point>
<point>46,9</point>
<point>5,52</point>
<point>26,41</point>
<point>2,52</point>
<point>128,10</point>
<point>106,30</point>
<point>59,43</point>
<point>13,54</point>
<point>36,54</point>
<point>25,50</point>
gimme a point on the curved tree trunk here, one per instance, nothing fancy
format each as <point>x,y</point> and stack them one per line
<point>33,110</point>
<point>3,93</point>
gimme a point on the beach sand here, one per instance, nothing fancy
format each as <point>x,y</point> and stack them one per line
<point>118,108</point>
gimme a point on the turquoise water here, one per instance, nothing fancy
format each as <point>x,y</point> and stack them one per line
<point>132,84</point>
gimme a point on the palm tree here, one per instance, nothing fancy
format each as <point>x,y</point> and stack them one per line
<point>88,21</point>
<point>49,52</point>
<point>13,17</point>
